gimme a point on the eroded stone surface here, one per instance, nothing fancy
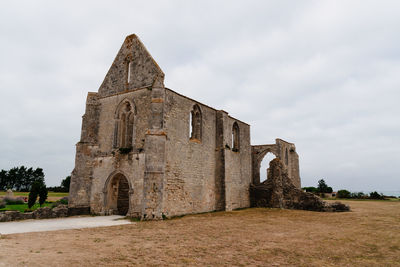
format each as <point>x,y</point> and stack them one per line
<point>278,191</point>
<point>40,213</point>
<point>169,169</point>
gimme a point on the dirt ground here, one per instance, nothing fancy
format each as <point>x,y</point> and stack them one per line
<point>367,236</point>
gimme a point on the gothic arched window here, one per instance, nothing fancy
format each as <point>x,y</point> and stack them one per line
<point>124,125</point>
<point>196,123</point>
<point>235,137</point>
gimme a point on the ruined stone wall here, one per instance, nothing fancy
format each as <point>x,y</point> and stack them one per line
<point>290,159</point>
<point>86,148</point>
<point>141,100</point>
<point>97,159</point>
<point>143,69</point>
<point>237,166</point>
<point>190,164</point>
<point>281,149</point>
<point>105,168</point>
<point>204,175</point>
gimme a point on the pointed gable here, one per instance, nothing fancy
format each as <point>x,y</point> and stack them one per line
<point>133,67</point>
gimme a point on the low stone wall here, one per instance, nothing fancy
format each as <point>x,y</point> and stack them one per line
<point>41,213</point>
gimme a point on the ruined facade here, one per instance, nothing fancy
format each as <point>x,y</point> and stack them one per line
<point>146,151</point>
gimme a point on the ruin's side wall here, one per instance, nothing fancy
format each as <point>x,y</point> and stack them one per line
<point>237,167</point>
<point>190,165</point>
<point>290,159</point>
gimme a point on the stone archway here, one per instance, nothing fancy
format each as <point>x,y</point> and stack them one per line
<point>258,154</point>
<point>117,191</point>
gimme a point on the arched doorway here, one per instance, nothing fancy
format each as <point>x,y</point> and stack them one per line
<point>117,195</point>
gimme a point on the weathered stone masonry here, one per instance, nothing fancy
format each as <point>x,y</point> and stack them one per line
<point>149,152</point>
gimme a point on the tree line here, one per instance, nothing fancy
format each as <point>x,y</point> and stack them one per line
<point>20,178</point>
<point>323,188</point>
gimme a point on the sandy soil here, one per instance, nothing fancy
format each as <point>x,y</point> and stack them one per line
<point>367,236</point>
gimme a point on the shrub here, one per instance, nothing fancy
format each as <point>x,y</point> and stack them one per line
<point>42,194</point>
<point>64,201</point>
<point>2,204</point>
<point>343,194</point>
<point>33,194</point>
<point>310,189</point>
<point>13,200</point>
<point>376,195</point>
<point>357,195</point>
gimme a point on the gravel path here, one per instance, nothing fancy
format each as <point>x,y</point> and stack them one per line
<point>60,224</point>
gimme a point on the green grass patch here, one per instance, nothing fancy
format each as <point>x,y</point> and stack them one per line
<point>23,207</point>
<point>363,199</point>
<point>26,194</point>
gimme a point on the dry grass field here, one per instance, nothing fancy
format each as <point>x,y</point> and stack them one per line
<point>367,236</point>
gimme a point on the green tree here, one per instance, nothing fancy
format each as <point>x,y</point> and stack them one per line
<point>20,178</point>
<point>42,194</point>
<point>310,189</point>
<point>376,195</point>
<point>65,183</point>
<point>343,194</point>
<point>33,194</point>
<point>323,187</point>
<point>3,180</point>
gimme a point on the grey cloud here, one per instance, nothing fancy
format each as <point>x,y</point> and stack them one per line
<point>322,74</point>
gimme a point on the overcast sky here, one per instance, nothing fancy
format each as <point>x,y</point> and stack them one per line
<point>324,75</point>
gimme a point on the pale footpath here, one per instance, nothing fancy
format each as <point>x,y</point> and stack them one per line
<point>27,226</point>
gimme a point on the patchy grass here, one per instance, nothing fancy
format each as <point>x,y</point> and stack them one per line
<point>25,194</point>
<point>51,196</point>
<point>369,235</point>
<point>362,199</point>
<point>23,207</point>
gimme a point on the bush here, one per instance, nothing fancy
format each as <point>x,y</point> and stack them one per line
<point>42,194</point>
<point>62,201</point>
<point>310,189</point>
<point>343,194</point>
<point>14,200</point>
<point>376,195</point>
<point>2,204</point>
<point>358,195</point>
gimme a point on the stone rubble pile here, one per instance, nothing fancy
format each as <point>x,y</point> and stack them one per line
<point>278,191</point>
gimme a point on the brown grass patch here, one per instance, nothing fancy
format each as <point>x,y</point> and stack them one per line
<point>367,236</point>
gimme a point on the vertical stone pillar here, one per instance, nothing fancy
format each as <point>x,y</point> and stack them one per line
<point>155,155</point>
<point>81,177</point>
<point>294,166</point>
<point>220,196</point>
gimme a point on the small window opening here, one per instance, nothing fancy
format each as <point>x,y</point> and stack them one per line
<point>129,71</point>
<point>195,123</point>
<point>235,137</point>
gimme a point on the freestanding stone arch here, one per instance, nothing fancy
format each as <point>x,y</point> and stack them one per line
<point>258,153</point>
<point>117,191</point>
<point>283,150</point>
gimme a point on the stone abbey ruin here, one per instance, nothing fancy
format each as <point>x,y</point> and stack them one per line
<point>147,151</point>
